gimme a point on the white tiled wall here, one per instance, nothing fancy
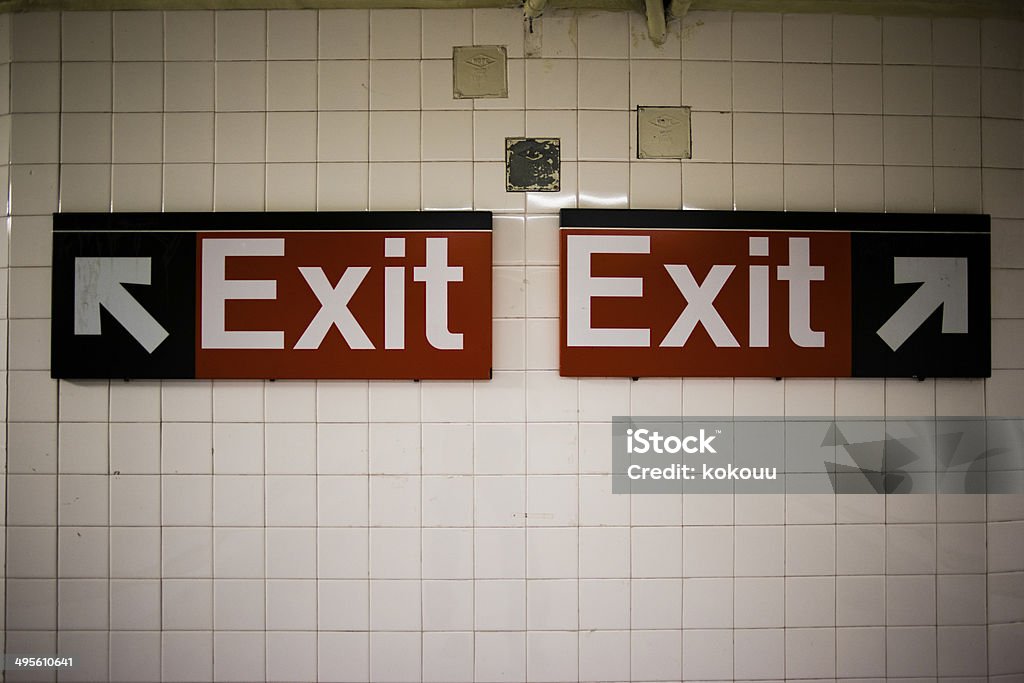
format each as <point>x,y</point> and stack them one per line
<point>465,531</point>
<point>5,149</point>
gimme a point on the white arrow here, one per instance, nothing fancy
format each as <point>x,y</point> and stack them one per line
<point>943,283</point>
<point>98,282</point>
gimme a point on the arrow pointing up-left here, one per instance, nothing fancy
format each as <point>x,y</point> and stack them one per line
<point>98,282</point>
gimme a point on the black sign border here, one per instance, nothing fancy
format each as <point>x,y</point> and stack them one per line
<point>775,220</point>
<point>281,221</point>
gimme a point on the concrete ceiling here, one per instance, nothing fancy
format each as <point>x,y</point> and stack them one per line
<point>671,8</point>
<point>657,12</point>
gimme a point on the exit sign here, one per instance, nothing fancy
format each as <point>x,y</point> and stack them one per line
<point>371,295</point>
<point>735,293</point>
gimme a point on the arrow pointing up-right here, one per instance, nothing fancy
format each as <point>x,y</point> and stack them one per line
<point>943,283</point>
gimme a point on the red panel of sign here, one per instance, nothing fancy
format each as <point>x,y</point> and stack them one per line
<point>705,303</point>
<point>344,305</point>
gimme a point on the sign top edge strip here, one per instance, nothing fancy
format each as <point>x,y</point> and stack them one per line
<point>204,221</point>
<point>777,220</point>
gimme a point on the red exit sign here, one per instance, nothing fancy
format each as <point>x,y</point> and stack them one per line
<point>327,295</point>
<point>710,293</point>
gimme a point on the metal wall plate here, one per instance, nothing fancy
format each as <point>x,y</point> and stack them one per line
<point>663,133</point>
<point>479,71</point>
<point>532,164</point>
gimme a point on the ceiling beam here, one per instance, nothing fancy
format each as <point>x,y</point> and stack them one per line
<point>922,8</point>
<point>83,5</point>
<point>73,5</point>
<point>677,8</point>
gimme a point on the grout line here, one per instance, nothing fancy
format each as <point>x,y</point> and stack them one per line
<point>110,497</point>
<point>160,525</point>
<point>6,381</point>
<point>475,385</point>
<point>316,383</point>
<point>56,502</point>
<point>834,445</point>
<point>369,545</point>
<point>984,395</point>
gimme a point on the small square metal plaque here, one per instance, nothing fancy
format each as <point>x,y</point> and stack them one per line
<point>532,164</point>
<point>663,132</point>
<point>479,71</point>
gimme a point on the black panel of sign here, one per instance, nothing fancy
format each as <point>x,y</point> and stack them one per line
<point>101,289</point>
<point>938,316</point>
